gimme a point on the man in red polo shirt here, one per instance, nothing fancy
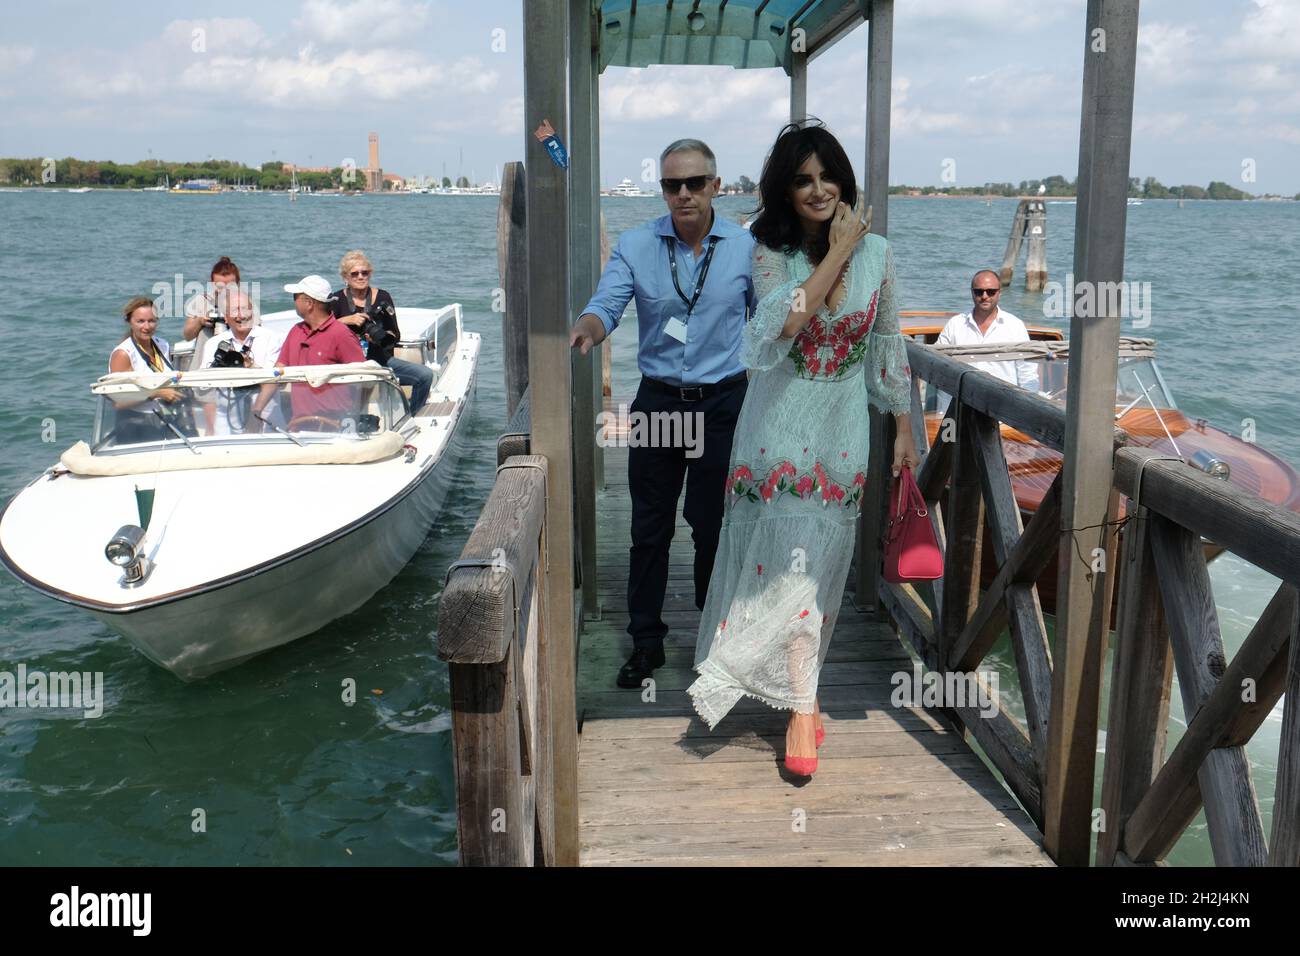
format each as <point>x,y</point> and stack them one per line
<point>319,339</point>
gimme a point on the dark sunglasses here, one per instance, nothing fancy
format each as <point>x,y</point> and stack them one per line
<point>693,183</point>
<point>359,273</point>
<point>980,293</point>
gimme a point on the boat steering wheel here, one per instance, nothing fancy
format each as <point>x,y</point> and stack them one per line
<point>327,424</point>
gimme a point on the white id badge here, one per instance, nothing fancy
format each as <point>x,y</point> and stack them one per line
<point>676,329</point>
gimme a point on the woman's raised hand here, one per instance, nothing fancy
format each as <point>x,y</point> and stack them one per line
<point>849,226</point>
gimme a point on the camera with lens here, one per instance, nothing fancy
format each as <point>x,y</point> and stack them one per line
<point>228,356</point>
<point>372,329</point>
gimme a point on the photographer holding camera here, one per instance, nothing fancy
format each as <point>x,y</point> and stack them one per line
<point>243,344</point>
<point>370,313</point>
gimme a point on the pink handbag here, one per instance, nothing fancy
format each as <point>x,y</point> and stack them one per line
<point>911,551</point>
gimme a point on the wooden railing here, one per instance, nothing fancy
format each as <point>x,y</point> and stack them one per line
<point>1168,622</point>
<point>491,633</point>
<point>1165,603</point>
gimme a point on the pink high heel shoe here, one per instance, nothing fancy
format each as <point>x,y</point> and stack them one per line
<point>804,766</point>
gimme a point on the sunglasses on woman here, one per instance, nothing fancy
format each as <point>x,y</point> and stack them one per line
<point>359,273</point>
<point>694,183</point>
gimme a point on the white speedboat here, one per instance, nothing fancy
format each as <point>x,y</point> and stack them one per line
<point>246,536</point>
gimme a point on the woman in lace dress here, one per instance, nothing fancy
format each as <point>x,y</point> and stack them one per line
<point>823,342</point>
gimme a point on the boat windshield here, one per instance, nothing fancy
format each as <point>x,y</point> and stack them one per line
<point>1138,384</point>
<point>294,412</point>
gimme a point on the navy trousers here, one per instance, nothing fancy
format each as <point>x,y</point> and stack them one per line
<point>655,478</point>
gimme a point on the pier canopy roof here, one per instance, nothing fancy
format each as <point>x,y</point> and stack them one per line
<point>746,34</point>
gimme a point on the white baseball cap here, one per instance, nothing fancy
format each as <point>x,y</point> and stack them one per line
<point>316,287</point>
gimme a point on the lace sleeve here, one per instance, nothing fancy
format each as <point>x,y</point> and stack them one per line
<point>889,377</point>
<point>774,292</point>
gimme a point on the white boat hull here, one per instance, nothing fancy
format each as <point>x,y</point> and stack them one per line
<point>210,630</point>
<point>304,549</point>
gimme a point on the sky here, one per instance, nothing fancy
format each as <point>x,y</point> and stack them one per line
<point>987,90</point>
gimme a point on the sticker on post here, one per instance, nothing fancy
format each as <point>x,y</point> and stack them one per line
<point>676,329</point>
<point>545,134</point>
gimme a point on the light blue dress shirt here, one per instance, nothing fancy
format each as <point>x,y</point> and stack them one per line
<point>638,267</point>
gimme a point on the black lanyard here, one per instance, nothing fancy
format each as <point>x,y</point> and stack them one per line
<point>164,363</point>
<point>704,272</point>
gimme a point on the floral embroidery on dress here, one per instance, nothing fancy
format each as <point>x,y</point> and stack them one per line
<point>830,352</point>
<point>784,479</point>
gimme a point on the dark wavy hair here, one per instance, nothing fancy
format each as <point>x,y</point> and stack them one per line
<point>777,226</point>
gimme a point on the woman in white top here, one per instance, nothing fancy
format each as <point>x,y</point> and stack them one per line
<point>141,351</point>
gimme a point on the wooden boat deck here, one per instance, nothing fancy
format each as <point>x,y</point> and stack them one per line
<point>895,786</point>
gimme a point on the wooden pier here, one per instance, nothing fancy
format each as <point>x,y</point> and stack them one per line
<point>897,786</point>
<point>555,765</point>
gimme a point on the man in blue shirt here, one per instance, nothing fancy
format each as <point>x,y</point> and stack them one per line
<point>689,272</point>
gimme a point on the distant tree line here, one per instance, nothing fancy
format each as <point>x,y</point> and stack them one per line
<point>1149,188</point>
<point>82,172</point>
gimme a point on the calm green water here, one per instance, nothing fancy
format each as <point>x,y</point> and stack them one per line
<point>285,772</point>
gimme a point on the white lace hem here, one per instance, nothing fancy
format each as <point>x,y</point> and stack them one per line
<point>715,692</point>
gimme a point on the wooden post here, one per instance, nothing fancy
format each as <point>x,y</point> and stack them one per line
<point>606,353</point>
<point>1141,679</point>
<point>512,266</point>
<point>546,50</point>
<point>880,59</point>
<point>583,210</point>
<point>1008,269</point>
<point>798,87</point>
<point>1036,257</point>
<point>1284,845</point>
<point>597,240</point>
<point>1087,500</point>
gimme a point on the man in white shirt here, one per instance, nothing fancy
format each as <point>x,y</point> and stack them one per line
<point>985,324</point>
<point>257,347</point>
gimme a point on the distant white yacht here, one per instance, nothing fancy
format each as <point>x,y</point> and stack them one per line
<point>626,188</point>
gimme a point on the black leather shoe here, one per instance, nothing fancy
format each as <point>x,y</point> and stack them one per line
<point>639,666</point>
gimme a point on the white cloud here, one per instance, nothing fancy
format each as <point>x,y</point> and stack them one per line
<point>1165,52</point>
<point>1271,30</point>
<point>13,57</point>
<point>346,79</point>
<point>692,94</point>
<point>361,21</point>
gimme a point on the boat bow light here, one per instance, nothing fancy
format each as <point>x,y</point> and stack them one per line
<point>125,550</point>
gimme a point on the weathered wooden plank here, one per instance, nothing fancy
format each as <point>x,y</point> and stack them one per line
<point>1259,532</point>
<point>912,719</point>
<point>990,831</point>
<point>1231,810</point>
<point>490,823</point>
<point>1174,797</point>
<point>477,609</point>
<point>512,268</point>
<point>1025,616</point>
<point>1141,677</point>
<point>820,803</point>
<point>961,564</point>
<point>622,752</point>
<point>1036,547</point>
<point>867,674</point>
<point>1284,847</point>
